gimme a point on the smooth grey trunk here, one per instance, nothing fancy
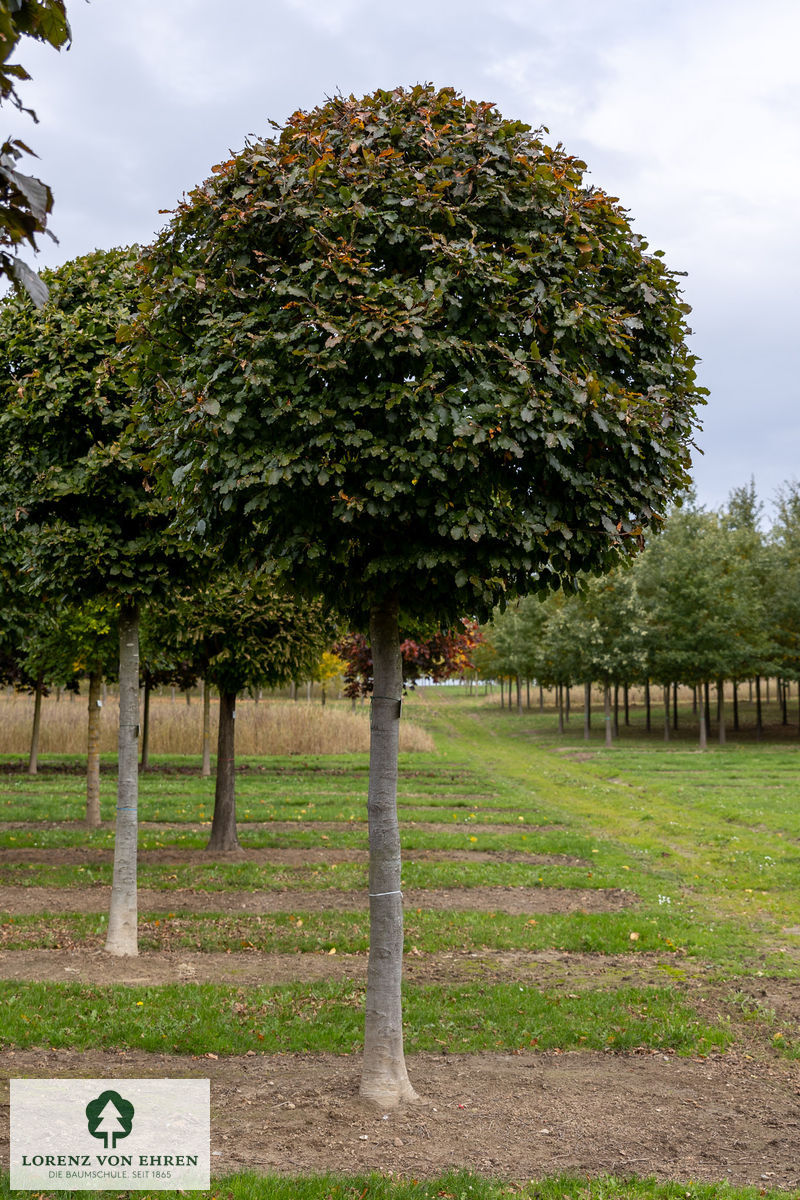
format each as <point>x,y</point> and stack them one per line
<point>145,759</point>
<point>735,706</point>
<point>703,713</point>
<point>607,713</point>
<point>223,826</point>
<point>93,751</point>
<point>674,706</point>
<point>666,713</point>
<point>721,711</point>
<point>627,703</point>
<point>519,693</point>
<point>616,710</point>
<point>587,710</point>
<point>308,691</point>
<point>205,770</point>
<point>122,916</point>
<point>759,723</point>
<point>647,705</point>
<point>33,756</point>
<point>384,1080</point>
<point>707,704</point>
<point>560,704</point>
<point>567,703</point>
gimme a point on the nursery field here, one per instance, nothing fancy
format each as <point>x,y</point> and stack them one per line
<point>602,979</point>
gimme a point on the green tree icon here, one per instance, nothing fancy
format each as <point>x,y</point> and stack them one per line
<point>110,1118</point>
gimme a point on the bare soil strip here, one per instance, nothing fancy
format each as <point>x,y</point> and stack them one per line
<point>517,901</point>
<point>543,969</point>
<point>517,1116</point>
<point>291,856</point>
<point>475,826</point>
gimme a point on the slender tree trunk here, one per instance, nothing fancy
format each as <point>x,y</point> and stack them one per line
<point>721,710</point>
<point>33,756</point>
<point>626,699</point>
<point>541,698</point>
<point>93,752</point>
<point>735,706</point>
<point>703,713</point>
<point>122,916</point>
<point>674,706</point>
<point>706,693</point>
<point>560,704</point>
<point>759,724</point>
<point>766,682</point>
<point>616,710</point>
<point>694,701</point>
<point>205,770</point>
<point>519,694</point>
<point>322,696</point>
<point>145,753</point>
<point>666,713</point>
<point>384,1080</point>
<point>567,703</point>
<point>188,695</point>
<point>528,694</point>
<point>587,711</point>
<point>223,826</point>
<point>750,685</point>
<point>502,702</point>
<point>607,712</point>
<point>647,705</point>
<point>784,693</point>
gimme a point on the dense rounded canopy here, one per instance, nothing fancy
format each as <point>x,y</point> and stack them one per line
<point>404,350</point>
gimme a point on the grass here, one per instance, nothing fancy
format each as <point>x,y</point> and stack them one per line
<point>453,1185</point>
<point>209,1018</point>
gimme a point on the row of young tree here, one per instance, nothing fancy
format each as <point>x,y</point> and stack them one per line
<point>401,359</point>
<point>713,599</point>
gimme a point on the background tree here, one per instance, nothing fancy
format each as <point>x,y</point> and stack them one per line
<point>25,202</point>
<point>76,480</point>
<point>436,369</point>
<point>241,632</point>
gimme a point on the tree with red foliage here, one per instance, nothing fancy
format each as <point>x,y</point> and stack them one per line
<point>447,653</point>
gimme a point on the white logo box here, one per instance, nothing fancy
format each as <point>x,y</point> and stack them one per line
<point>98,1134</point>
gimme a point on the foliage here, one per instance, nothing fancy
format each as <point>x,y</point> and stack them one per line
<point>76,476</point>
<point>25,202</point>
<point>434,364</point>
<point>439,656</point>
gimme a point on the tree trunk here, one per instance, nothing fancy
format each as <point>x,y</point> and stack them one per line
<point>766,682</point>
<point>502,702</point>
<point>145,759</point>
<point>721,710</point>
<point>33,756</point>
<point>528,694</point>
<point>784,693</point>
<point>587,710</point>
<point>735,706</point>
<point>541,698</point>
<point>384,1080</point>
<point>674,706</point>
<point>93,752</point>
<point>626,698</point>
<point>607,710</point>
<point>322,693</point>
<point>223,827</point>
<point>694,701</point>
<point>647,705</point>
<point>759,724</point>
<point>188,697</point>
<point>567,703</point>
<point>205,770</point>
<point>560,704</point>
<point>666,713</point>
<point>616,710</point>
<point>703,713</point>
<point>122,916</point>
<point>519,694</point>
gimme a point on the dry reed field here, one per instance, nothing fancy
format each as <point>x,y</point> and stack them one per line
<point>269,727</point>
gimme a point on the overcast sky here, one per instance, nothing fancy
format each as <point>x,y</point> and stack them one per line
<point>688,110</point>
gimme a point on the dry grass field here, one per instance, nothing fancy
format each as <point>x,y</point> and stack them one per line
<point>269,727</point>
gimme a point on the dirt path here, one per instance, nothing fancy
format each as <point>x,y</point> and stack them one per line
<point>518,1116</point>
<point>517,901</point>
<point>291,856</point>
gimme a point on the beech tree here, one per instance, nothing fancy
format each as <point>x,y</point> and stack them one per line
<point>404,352</point>
<point>75,482</point>
<point>239,633</point>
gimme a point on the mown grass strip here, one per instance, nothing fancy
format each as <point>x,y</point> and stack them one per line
<point>453,1185</point>
<point>657,931</point>
<point>328,1017</point>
